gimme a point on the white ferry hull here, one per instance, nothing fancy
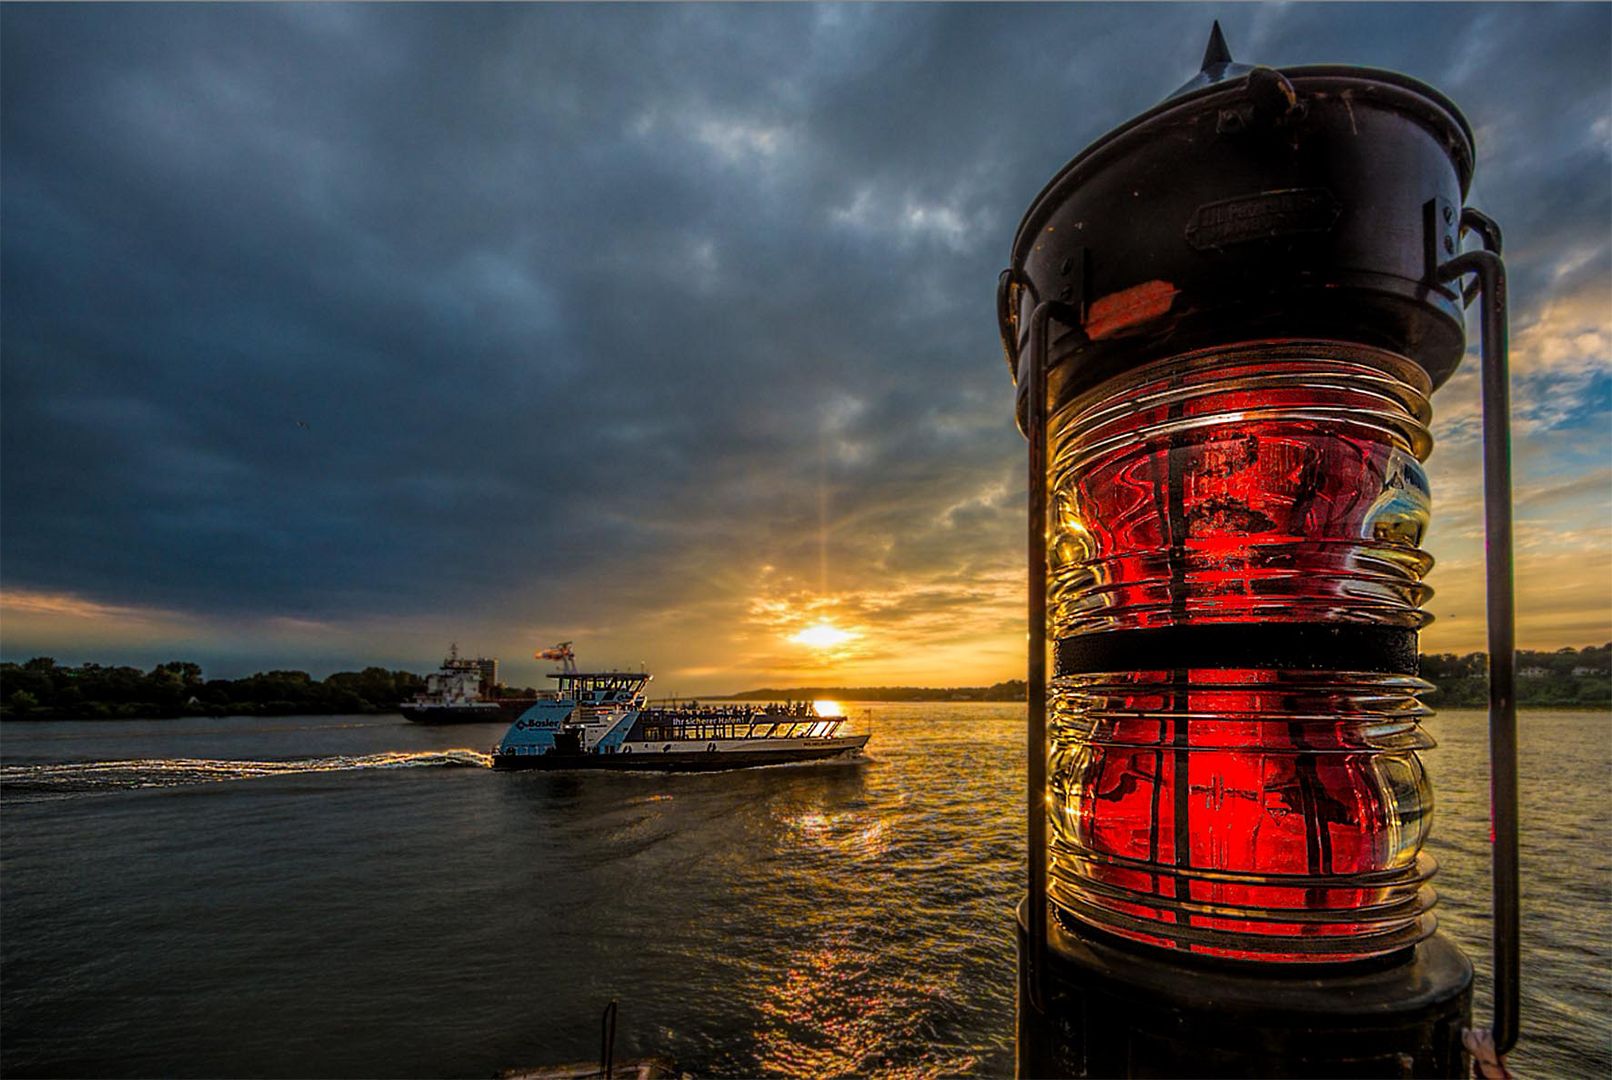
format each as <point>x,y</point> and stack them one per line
<point>690,756</point>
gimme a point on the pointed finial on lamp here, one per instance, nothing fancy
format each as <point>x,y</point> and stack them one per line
<point>1218,66</point>
<point>1217,52</point>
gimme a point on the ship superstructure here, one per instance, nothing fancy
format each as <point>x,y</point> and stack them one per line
<point>464,690</point>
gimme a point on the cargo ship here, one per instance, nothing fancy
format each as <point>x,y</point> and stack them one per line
<point>464,690</point>
<point>601,720</point>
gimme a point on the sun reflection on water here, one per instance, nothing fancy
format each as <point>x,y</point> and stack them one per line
<point>837,1012</point>
<point>851,834</point>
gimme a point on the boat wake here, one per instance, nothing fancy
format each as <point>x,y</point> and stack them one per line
<point>80,777</point>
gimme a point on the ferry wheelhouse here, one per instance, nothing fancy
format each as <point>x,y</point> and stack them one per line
<point>601,720</point>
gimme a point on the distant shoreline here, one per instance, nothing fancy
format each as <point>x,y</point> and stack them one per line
<point>1439,708</point>
<point>1437,699</point>
<point>1565,678</point>
<point>41,689</point>
<point>47,717</point>
<point>1012,690</point>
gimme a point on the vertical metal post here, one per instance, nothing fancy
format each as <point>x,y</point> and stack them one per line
<point>607,1041</point>
<point>1036,673</point>
<point>1497,527</point>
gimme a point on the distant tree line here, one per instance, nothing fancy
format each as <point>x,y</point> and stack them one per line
<point>1566,678</point>
<point>43,689</point>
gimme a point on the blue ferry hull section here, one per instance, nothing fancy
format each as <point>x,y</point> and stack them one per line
<point>673,761</point>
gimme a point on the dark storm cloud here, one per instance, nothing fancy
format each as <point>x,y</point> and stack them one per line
<point>324,310</point>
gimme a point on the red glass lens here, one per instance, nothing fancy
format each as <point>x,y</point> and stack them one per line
<point>1242,812</point>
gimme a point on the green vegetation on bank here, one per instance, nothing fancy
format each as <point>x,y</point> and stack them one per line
<point>41,689</point>
<point>1566,678</point>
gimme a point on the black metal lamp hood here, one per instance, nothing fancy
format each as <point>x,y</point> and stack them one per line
<point>1302,202</point>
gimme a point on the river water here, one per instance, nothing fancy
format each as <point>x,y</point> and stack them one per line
<point>360,896</point>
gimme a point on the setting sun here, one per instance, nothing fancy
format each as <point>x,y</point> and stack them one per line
<point>822,636</point>
<point>824,707</point>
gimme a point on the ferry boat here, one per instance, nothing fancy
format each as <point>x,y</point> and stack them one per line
<point>601,720</point>
<point>463,691</point>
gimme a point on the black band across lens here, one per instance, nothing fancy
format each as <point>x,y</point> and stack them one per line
<point>1271,646</point>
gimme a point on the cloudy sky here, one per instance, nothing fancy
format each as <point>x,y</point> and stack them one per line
<point>335,333</point>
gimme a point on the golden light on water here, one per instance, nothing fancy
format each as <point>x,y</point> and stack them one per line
<point>822,635</point>
<point>825,707</point>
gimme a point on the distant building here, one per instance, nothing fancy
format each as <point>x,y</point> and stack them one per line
<point>1534,672</point>
<point>1582,670</point>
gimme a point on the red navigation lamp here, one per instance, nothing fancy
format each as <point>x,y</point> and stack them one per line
<point>1228,527</point>
<point>1226,319</point>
